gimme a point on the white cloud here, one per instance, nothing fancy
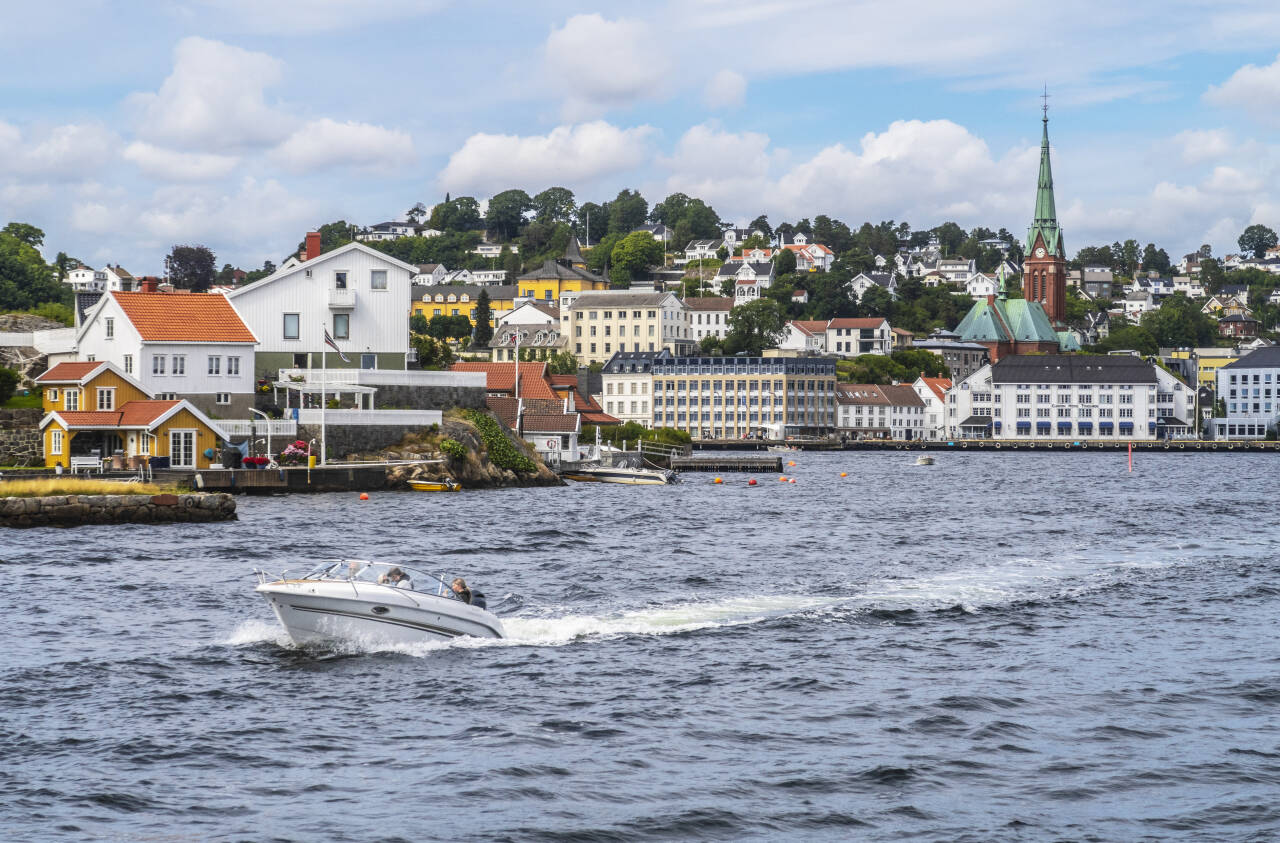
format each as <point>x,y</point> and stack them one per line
<point>725,90</point>
<point>1199,145</point>
<point>566,155</point>
<point>214,99</point>
<point>293,17</point>
<point>1252,88</point>
<point>600,64</point>
<point>325,143</point>
<point>63,153</point>
<point>170,165</point>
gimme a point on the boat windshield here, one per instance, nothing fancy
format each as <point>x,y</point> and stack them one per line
<point>385,573</point>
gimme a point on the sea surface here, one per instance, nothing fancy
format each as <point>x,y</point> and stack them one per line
<point>998,647</point>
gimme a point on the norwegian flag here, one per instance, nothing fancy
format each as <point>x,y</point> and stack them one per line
<point>328,340</point>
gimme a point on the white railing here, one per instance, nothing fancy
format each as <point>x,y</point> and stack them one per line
<point>386,377</point>
<point>259,427</point>
<point>371,417</point>
<point>342,299</point>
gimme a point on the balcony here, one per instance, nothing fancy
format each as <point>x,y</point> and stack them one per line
<point>342,298</point>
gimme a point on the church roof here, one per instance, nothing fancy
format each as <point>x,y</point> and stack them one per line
<point>1006,320</point>
<point>1045,223</point>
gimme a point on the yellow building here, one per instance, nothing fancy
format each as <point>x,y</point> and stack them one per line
<point>95,411</point>
<point>1207,362</point>
<point>460,300</point>
<point>567,275</point>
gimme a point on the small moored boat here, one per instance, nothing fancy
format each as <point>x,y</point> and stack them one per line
<point>446,485</point>
<point>924,459</point>
<point>621,474</point>
<point>775,449</point>
<point>374,602</point>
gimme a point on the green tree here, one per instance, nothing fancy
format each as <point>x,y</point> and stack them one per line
<point>670,210</point>
<point>876,301</point>
<point>416,213</point>
<point>755,326</point>
<point>555,204</point>
<point>506,214</point>
<point>483,314</point>
<point>785,262</point>
<point>1178,322</point>
<point>950,236</point>
<point>761,223</point>
<point>593,222</point>
<point>332,235</point>
<point>418,323</point>
<point>190,268</point>
<point>633,255</point>
<point>1094,256</point>
<point>27,233</point>
<point>1211,275</point>
<point>26,281</point>
<point>8,384</point>
<point>459,215</point>
<point>1126,337</point>
<point>562,363</point>
<point>711,345</point>
<point>1157,259</point>
<point>627,212</point>
<point>600,256</point>
<point>1256,239</point>
<point>1076,309</point>
<point>510,262</point>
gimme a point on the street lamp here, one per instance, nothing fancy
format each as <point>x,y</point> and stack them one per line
<point>268,420</point>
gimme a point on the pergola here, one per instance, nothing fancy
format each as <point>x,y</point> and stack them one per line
<point>337,390</point>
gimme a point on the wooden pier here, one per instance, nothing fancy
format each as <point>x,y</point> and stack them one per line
<point>729,462</point>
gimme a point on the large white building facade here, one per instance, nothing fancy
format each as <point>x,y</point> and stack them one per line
<point>1250,389</point>
<point>1069,397</point>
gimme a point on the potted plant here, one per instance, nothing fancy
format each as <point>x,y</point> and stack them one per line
<point>255,463</point>
<point>295,454</point>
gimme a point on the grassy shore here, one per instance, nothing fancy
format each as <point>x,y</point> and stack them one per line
<point>77,486</point>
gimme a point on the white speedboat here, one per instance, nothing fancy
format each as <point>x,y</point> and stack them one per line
<point>782,449</point>
<point>374,602</point>
<point>924,459</point>
<point>621,474</point>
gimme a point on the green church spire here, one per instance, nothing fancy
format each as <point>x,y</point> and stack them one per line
<point>1045,222</point>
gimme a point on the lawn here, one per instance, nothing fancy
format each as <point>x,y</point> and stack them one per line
<point>20,401</point>
<point>76,486</point>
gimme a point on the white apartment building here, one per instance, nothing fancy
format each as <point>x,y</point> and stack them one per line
<point>626,385</point>
<point>870,411</point>
<point>933,392</point>
<point>709,316</point>
<point>1069,397</point>
<point>599,323</point>
<point>1250,389</point>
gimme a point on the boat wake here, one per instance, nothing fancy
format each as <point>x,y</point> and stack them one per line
<point>973,590</point>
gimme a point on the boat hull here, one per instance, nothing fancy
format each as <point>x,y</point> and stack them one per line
<point>627,477</point>
<point>326,611</point>
<point>432,486</point>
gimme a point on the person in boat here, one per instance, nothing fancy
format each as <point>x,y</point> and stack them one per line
<point>396,577</point>
<point>459,587</point>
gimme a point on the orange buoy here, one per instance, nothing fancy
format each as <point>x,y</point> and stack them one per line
<point>751,482</point>
<point>717,481</point>
<point>782,480</point>
<point>364,496</point>
<point>791,462</point>
<point>844,474</point>
<point>793,480</point>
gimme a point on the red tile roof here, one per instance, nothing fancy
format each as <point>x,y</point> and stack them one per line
<point>709,303</point>
<point>69,372</point>
<point>553,423</point>
<point>500,377</point>
<point>130,414</point>
<point>196,317</point>
<point>939,386</point>
<point>862,322</point>
<point>810,326</point>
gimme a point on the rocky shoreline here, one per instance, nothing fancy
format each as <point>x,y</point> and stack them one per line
<point>76,510</point>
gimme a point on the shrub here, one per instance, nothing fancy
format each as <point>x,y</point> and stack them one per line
<point>502,453</point>
<point>8,383</point>
<point>453,448</point>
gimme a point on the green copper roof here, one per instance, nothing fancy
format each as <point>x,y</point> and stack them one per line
<point>1067,341</point>
<point>1005,320</point>
<point>1045,222</point>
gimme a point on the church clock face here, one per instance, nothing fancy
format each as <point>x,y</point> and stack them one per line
<point>1040,251</point>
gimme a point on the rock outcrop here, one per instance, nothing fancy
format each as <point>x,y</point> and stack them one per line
<point>74,510</point>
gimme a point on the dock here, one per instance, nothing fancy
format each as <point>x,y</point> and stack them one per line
<point>728,462</point>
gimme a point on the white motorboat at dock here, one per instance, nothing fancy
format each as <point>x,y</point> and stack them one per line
<point>358,600</point>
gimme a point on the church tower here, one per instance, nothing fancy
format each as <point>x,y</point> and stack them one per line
<point>1044,267</point>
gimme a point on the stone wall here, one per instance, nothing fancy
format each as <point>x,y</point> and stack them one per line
<point>20,442</point>
<point>391,397</point>
<point>355,439</point>
<point>74,510</point>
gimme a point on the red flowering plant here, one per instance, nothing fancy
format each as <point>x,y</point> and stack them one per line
<point>295,454</point>
<point>256,462</point>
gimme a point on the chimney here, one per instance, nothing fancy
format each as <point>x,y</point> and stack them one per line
<point>149,284</point>
<point>313,245</point>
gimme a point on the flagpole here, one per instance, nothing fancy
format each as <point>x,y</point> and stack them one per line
<point>323,374</point>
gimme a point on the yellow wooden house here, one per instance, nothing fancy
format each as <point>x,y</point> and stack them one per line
<point>93,411</point>
<point>460,300</point>
<point>569,274</point>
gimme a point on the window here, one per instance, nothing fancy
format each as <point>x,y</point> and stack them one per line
<point>223,398</point>
<point>378,279</point>
<point>157,364</point>
<point>215,365</point>
<point>182,448</point>
<point>291,326</point>
<point>71,399</point>
<point>342,326</point>
<point>106,398</point>
<point>111,327</point>
<point>368,361</point>
<point>51,395</point>
<point>233,365</point>
<point>340,279</point>
<point>55,441</point>
<point>179,364</point>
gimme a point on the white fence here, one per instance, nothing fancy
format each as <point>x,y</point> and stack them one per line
<point>417,418</point>
<point>386,377</point>
<point>259,427</point>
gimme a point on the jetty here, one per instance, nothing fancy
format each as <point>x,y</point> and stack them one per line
<point>729,462</point>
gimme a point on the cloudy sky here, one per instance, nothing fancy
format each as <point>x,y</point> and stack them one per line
<point>127,128</point>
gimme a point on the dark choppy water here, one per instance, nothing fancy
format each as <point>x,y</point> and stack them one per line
<point>1015,647</point>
